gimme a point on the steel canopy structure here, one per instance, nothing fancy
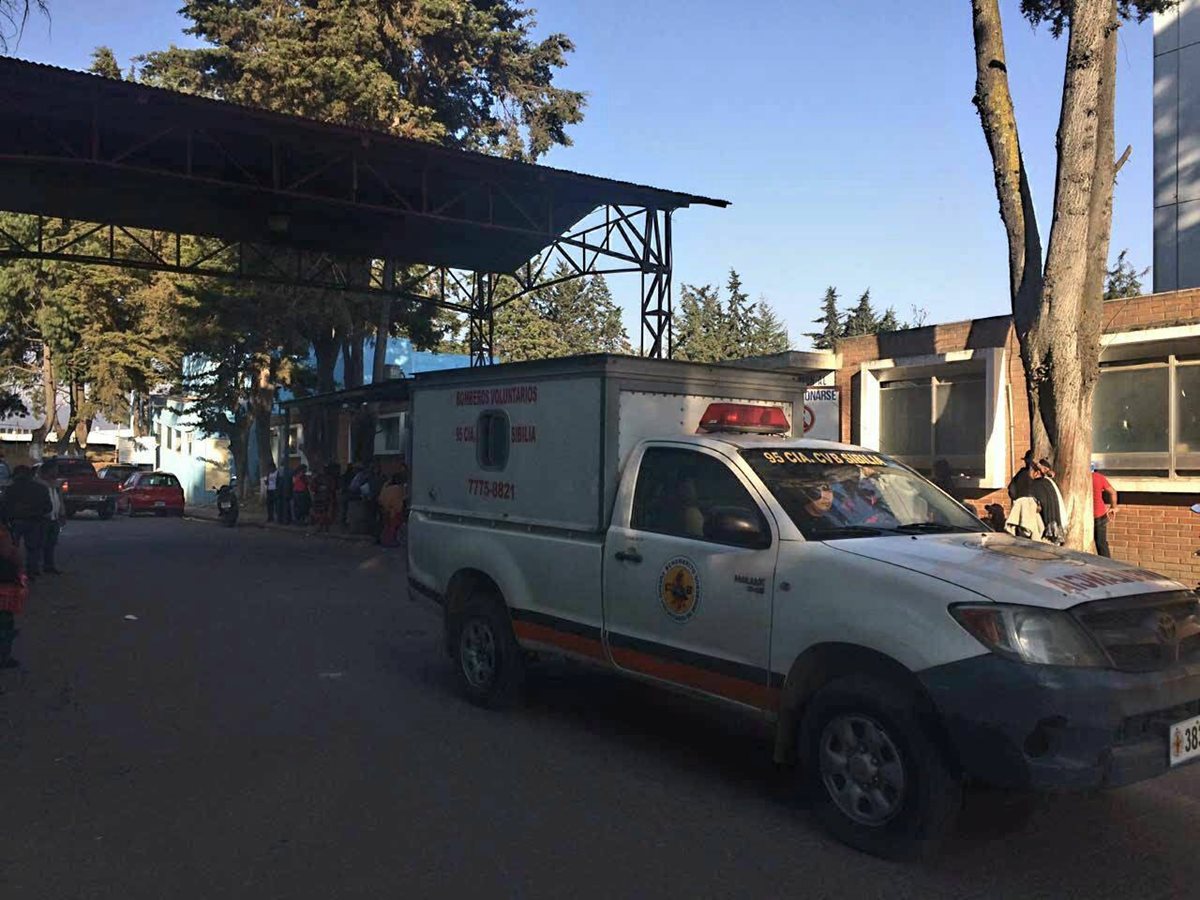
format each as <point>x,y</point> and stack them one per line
<point>288,200</point>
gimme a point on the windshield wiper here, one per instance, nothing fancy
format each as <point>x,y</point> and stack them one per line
<point>847,531</point>
<point>934,528</point>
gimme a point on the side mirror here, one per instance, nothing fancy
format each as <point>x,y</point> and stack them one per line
<point>737,527</point>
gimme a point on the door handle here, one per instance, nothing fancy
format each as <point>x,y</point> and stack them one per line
<point>630,555</point>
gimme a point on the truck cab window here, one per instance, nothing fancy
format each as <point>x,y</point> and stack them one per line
<point>686,494</point>
<point>491,447</point>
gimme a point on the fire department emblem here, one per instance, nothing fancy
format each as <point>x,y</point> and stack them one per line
<point>679,588</point>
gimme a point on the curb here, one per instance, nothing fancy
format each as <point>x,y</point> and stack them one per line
<point>285,529</point>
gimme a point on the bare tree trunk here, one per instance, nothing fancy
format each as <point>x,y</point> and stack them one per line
<point>352,357</point>
<point>325,348</point>
<point>382,332</point>
<point>262,402</point>
<point>239,450</point>
<point>1057,312</point>
<point>49,403</point>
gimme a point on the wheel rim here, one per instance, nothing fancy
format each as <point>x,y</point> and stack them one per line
<point>862,770</point>
<point>477,652</point>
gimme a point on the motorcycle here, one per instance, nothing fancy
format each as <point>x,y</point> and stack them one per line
<point>227,506</point>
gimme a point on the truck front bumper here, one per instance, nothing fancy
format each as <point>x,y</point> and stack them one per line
<point>1056,728</point>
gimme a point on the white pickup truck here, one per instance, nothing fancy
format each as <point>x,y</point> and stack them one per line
<point>658,519</point>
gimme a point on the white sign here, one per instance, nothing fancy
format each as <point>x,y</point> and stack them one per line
<point>822,414</point>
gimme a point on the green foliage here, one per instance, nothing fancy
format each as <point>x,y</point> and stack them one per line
<point>1123,280</point>
<point>567,317</point>
<point>830,321</point>
<point>700,325</point>
<point>707,330</point>
<point>1057,13</point>
<point>862,318</point>
<point>108,331</point>
<point>769,333</point>
<point>465,73</point>
<point>104,62</point>
<point>888,322</point>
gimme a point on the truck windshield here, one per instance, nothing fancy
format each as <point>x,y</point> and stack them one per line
<point>835,494</point>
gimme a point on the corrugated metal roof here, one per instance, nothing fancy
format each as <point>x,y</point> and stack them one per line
<point>12,67</point>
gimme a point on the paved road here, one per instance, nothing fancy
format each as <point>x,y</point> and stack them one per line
<point>277,721</point>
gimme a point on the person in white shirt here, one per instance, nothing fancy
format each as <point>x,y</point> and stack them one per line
<point>272,484</point>
<point>47,475</point>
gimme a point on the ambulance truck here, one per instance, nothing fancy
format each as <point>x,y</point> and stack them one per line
<point>664,521</point>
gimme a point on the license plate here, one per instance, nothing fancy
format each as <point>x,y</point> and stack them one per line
<point>160,502</point>
<point>1185,740</point>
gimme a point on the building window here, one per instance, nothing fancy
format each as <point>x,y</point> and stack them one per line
<point>491,445</point>
<point>1146,418</point>
<point>925,419</point>
<point>390,433</point>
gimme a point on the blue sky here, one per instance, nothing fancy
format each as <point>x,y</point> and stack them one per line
<point>843,133</point>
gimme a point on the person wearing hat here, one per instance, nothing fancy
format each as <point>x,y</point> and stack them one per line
<point>1019,486</point>
<point>1102,510</point>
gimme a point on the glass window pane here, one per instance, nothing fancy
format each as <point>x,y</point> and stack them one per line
<point>960,418</point>
<point>680,492</point>
<point>904,418</point>
<point>389,430</point>
<point>1130,411</point>
<point>1187,409</point>
<point>492,439</point>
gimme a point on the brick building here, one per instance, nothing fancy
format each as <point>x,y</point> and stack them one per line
<point>957,391</point>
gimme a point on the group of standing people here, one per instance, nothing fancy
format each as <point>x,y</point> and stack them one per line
<point>32,513</point>
<point>1040,512</point>
<point>296,496</point>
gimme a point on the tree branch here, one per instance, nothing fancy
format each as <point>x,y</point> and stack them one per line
<point>1123,159</point>
<point>993,100</point>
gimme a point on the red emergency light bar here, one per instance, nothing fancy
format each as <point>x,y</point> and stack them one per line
<point>744,418</point>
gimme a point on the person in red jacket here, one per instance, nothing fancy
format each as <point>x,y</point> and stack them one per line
<point>12,595</point>
<point>301,498</point>
<point>1102,511</point>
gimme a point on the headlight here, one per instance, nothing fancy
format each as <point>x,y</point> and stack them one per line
<point>1030,634</point>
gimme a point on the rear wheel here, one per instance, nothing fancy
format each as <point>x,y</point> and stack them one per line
<point>107,510</point>
<point>877,778</point>
<point>489,663</point>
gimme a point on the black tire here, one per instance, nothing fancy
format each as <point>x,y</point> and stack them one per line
<point>908,822</point>
<point>70,512</point>
<point>488,662</point>
<point>108,510</point>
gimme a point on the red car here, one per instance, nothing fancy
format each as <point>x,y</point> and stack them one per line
<point>151,492</point>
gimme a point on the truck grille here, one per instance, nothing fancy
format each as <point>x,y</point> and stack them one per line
<point>1146,632</point>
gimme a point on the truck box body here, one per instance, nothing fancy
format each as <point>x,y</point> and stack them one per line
<point>570,425</point>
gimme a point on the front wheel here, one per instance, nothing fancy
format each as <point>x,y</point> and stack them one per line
<point>877,778</point>
<point>488,659</point>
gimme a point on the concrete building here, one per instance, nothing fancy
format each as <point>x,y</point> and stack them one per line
<point>1177,147</point>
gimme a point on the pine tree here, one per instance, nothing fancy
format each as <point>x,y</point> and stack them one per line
<point>889,322</point>
<point>104,62</point>
<point>830,321</point>
<point>862,318</point>
<point>700,329</point>
<point>1122,279</point>
<point>738,320</point>
<point>769,333</point>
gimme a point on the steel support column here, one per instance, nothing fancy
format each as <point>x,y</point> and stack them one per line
<point>481,321</point>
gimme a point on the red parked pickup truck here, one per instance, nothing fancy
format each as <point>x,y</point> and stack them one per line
<point>82,488</point>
